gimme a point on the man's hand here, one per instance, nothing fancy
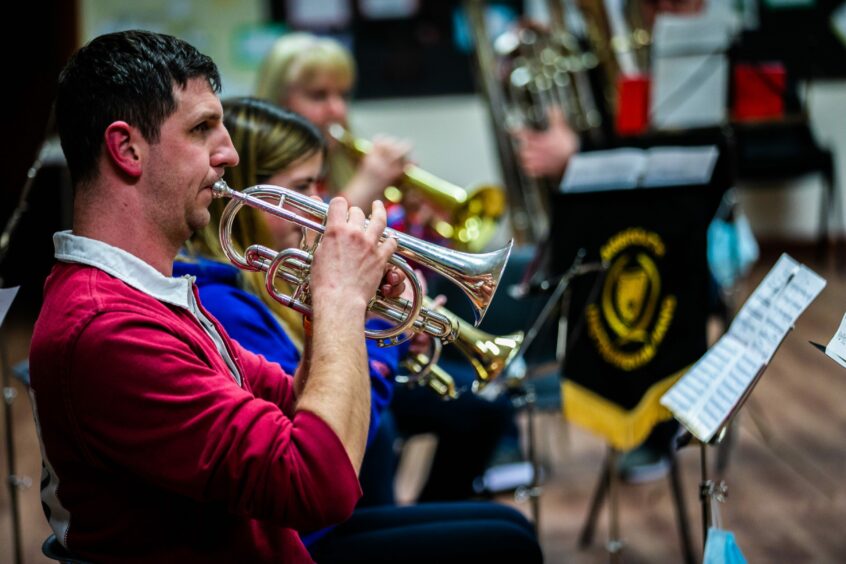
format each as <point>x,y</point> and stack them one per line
<point>348,266</point>
<point>546,153</point>
<point>350,261</point>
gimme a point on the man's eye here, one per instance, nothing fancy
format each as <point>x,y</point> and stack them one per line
<point>201,127</point>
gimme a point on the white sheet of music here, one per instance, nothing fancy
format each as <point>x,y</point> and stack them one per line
<point>614,169</point>
<point>775,305</point>
<point>836,348</point>
<point>705,397</point>
<point>627,168</point>
<point>7,296</point>
<point>680,166</point>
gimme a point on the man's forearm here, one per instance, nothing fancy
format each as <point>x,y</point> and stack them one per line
<point>337,386</point>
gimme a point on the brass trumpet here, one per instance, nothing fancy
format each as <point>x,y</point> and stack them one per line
<point>476,274</point>
<point>488,354</point>
<point>472,214</point>
<point>423,371</point>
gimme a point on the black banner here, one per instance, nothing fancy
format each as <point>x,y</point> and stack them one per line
<point>637,325</point>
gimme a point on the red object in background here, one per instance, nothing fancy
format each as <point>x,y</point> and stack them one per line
<point>632,104</point>
<point>758,91</point>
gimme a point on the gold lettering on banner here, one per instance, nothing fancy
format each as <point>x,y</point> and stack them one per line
<point>631,320</point>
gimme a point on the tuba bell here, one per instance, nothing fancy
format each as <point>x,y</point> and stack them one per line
<point>471,214</point>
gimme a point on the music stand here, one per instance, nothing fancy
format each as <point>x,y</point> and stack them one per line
<point>556,301</point>
<point>710,395</point>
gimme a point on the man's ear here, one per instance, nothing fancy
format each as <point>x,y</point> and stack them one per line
<point>122,145</point>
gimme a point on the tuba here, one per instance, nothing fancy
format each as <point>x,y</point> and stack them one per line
<point>523,74</point>
<point>477,275</point>
<point>471,214</point>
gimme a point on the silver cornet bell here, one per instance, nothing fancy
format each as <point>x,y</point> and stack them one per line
<point>476,274</point>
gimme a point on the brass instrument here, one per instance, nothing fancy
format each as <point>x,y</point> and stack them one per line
<point>527,205</point>
<point>526,72</point>
<point>532,68</point>
<point>476,274</point>
<point>619,39</point>
<point>425,372</point>
<point>547,68</point>
<point>488,354</point>
<point>472,213</point>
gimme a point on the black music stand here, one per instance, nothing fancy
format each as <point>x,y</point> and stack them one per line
<point>635,328</point>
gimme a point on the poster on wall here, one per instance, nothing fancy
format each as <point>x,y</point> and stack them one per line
<point>234,33</point>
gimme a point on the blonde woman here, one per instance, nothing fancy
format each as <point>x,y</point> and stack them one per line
<point>314,76</point>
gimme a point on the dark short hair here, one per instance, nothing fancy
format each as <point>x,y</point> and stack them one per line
<point>130,76</point>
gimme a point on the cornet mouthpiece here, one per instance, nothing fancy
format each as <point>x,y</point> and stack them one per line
<point>220,188</point>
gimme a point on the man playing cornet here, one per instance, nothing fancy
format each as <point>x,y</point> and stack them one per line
<point>164,439</point>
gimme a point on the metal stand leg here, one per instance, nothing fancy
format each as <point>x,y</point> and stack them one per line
<point>705,490</point>
<point>534,492</point>
<point>609,484</point>
<point>681,510</point>
<point>615,543</point>
<point>586,536</point>
<point>14,482</point>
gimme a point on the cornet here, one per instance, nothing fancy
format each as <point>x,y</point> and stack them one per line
<point>472,214</point>
<point>476,274</point>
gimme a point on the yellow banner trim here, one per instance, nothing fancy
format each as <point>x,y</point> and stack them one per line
<point>623,429</point>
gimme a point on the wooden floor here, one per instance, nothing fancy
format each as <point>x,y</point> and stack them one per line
<point>786,502</point>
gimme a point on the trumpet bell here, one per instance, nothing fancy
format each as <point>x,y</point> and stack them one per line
<point>489,354</point>
<point>475,221</point>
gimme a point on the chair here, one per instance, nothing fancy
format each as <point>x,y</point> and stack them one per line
<point>775,151</point>
<point>53,550</point>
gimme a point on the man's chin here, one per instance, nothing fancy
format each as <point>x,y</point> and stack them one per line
<point>199,221</point>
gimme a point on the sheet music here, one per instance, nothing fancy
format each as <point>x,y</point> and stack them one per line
<point>706,396</point>
<point>836,348</point>
<point>626,168</point>
<point>7,296</point>
<point>614,169</point>
<point>775,305</point>
<point>713,387</point>
<point>680,166</point>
